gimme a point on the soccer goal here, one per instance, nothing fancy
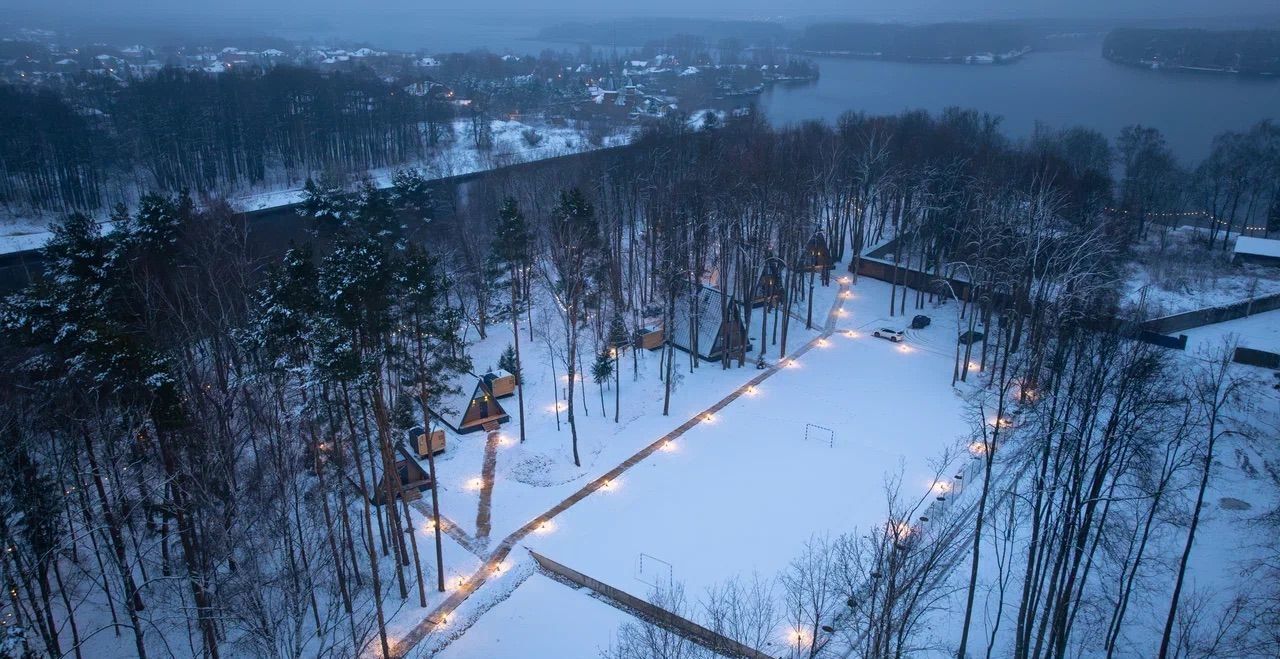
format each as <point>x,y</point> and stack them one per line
<point>653,571</point>
<point>816,433</point>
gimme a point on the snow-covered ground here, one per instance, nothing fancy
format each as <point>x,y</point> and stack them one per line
<point>1185,276</point>
<point>455,157</point>
<point>537,475</point>
<point>1259,331</point>
<point>737,493</point>
<point>542,618</point>
<point>745,491</point>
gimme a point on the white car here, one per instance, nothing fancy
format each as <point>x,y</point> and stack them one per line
<point>895,335</point>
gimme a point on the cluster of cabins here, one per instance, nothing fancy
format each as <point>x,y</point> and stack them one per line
<point>707,322</point>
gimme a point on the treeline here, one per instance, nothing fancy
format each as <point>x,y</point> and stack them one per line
<point>196,436</point>
<point>1250,52</point>
<point>207,133</point>
<point>938,41</point>
<point>631,32</point>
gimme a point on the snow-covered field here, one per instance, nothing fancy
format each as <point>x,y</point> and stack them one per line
<point>743,492</point>
<point>542,618</point>
<point>737,493</point>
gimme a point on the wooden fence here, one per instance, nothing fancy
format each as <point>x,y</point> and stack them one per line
<point>708,639</point>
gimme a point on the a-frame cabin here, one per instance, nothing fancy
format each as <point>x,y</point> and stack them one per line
<point>468,414</point>
<point>710,322</point>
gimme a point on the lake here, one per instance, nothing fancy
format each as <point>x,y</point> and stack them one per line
<point>1060,88</point>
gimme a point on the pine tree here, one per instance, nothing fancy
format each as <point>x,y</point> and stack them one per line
<point>507,362</point>
<point>512,247</point>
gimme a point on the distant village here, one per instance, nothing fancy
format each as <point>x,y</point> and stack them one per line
<point>634,86</point>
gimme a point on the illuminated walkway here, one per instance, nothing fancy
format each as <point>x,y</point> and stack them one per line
<point>545,522</point>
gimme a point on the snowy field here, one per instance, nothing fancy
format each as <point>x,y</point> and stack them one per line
<point>535,476</point>
<point>743,492</point>
<point>1259,331</point>
<point>739,492</point>
<point>542,618</point>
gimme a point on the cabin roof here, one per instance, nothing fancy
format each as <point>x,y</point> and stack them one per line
<point>708,303</point>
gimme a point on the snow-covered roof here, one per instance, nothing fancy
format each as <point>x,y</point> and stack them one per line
<point>708,307</point>
<point>1258,246</point>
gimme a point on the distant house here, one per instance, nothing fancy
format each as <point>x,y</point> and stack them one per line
<point>769,285</point>
<point>708,322</point>
<point>469,413</point>
<point>1260,251</point>
<point>817,257</point>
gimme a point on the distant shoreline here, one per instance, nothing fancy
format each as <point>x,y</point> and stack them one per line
<point>1196,70</point>
<point>976,59</point>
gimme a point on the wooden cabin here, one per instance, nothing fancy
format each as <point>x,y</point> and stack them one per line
<point>418,437</point>
<point>501,383</point>
<point>648,338</point>
<point>817,255</point>
<point>464,414</point>
<point>711,322</point>
<point>769,285</point>
<point>414,479</point>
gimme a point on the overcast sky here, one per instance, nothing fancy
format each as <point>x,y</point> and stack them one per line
<point>901,9</point>
<point>465,24</point>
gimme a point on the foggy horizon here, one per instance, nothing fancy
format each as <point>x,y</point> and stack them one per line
<point>370,20</point>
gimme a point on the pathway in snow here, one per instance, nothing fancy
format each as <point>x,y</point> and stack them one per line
<point>452,530</point>
<point>544,522</point>
<point>486,487</point>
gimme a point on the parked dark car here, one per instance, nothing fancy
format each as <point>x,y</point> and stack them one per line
<point>920,322</point>
<point>971,336</point>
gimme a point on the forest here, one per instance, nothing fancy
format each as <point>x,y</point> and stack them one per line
<point>1247,52</point>
<point>197,435</point>
<point>935,42</point>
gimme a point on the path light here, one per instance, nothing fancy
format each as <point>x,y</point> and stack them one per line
<point>847,294</point>
<point>851,334</point>
<point>475,483</point>
<point>504,440</point>
<point>609,485</point>
<point>751,390</point>
<point>709,417</point>
<point>973,366</point>
<point>797,636</point>
<point>822,343</point>
<point>844,280</point>
<point>977,449</point>
<point>669,446</point>
<point>904,348</point>
<point>842,312</point>
<point>545,527</point>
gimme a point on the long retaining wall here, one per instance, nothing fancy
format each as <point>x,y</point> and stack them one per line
<point>1157,331</point>
<point>699,634</point>
<point>1211,315</point>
